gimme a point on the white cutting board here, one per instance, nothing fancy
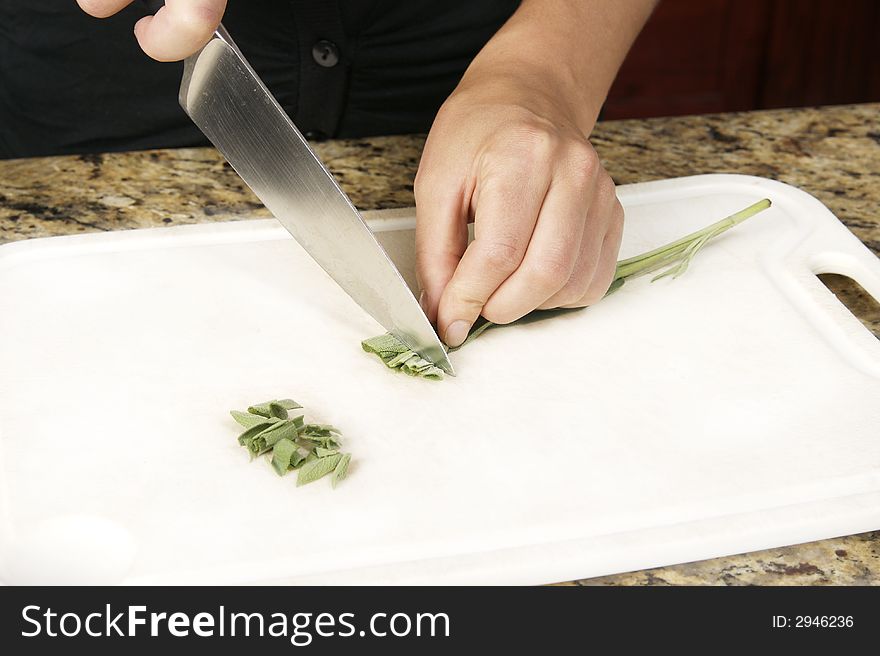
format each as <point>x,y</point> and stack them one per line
<point>735,408</point>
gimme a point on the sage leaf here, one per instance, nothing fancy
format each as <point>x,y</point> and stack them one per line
<point>397,355</point>
<point>248,436</point>
<point>292,443</point>
<point>341,469</point>
<point>265,440</point>
<point>319,467</point>
<point>249,420</point>
<point>281,455</point>
<point>319,430</point>
<point>276,408</point>
<point>299,456</point>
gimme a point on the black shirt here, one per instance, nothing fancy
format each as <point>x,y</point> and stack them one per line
<point>70,83</point>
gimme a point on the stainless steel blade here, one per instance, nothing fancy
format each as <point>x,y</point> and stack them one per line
<point>227,100</point>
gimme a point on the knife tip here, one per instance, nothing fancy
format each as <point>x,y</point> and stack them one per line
<point>446,366</point>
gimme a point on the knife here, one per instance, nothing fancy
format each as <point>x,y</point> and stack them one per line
<point>226,99</point>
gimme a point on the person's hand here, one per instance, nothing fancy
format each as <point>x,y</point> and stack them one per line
<point>178,30</point>
<point>507,153</point>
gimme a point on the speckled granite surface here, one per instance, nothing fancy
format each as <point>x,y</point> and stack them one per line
<point>831,152</point>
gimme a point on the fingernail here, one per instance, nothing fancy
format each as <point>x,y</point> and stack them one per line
<point>423,301</point>
<point>457,333</point>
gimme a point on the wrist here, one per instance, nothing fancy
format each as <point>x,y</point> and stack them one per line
<point>541,77</point>
<point>552,94</point>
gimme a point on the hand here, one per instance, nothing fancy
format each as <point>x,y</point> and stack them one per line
<point>178,30</point>
<point>508,154</point>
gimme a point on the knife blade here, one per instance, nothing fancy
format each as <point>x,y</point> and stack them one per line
<point>229,103</point>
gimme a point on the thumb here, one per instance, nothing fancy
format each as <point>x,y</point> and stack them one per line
<point>179,28</point>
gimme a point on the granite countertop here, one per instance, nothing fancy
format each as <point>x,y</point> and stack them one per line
<point>831,152</point>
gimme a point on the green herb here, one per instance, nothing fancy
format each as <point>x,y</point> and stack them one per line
<point>319,430</point>
<point>397,355</point>
<point>292,443</point>
<point>277,408</point>
<point>675,257</point>
<point>283,430</point>
<point>341,470</point>
<point>249,420</point>
<point>318,468</point>
<point>282,453</point>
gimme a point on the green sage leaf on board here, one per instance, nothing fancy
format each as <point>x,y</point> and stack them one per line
<point>250,438</point>
<point>319,430</point>
<point>290,441</point>
<point>299,456</point>
<point>265,440</point>
<point>397,355</point>
<point>323,442</point>
<point>319,467</point>
<point>249,420</point>
<point>341,469</point>
<point>275,408</point>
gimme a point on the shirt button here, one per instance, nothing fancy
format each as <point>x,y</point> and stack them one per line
<point>315,135</point>
<point>325,53</point>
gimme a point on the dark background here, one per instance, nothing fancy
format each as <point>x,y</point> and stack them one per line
<point>701,56</point>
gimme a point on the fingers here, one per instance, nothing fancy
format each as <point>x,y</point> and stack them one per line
<point>560,244</point>
<point>508,197</point>
<point>179,29</point>
<point>102,8</point>
<point>598,250</point>
<point>607,265</point>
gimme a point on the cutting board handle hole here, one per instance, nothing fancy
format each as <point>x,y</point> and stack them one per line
<point>855,298</point>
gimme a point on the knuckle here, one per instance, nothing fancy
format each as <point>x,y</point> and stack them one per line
<point>552,271</point>
<point>617,217</point>
<point>433,187</point>
<point>617,210</point>
<point>504,256</point>
<point>422,185</point>
<point>461,300</point>
<point>532,144</point>
<point>583,162</point>
<point>607,189</point>
<point>199,19</point>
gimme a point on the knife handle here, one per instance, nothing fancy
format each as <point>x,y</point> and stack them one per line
<point>154,5</point>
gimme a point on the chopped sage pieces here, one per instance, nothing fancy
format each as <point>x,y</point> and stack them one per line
<point>341,469</point>
<point>313,449</point>
<point>674,257</point>
<point>319,467</point>
<point>276,408</point>
<point>249,420</point>
<point>282,453</point>
<point>397,355</point>
<point>319,430</point>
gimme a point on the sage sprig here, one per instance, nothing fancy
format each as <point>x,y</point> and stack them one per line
<point>292,443</point>
<point>675,257</point>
